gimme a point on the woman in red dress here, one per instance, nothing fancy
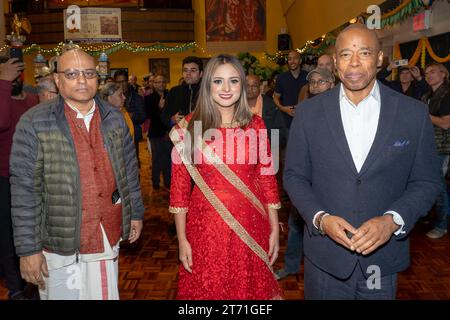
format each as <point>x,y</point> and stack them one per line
<point>227,223</point>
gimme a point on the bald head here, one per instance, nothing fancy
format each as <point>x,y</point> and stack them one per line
<point>253,78</point>
<point>253,86</point>
<point>76,78</point>
<point>359,29</point>
<point>325,61</point>
<point>71,58</point>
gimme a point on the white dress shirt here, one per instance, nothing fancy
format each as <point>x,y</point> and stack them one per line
<point>87,118</point>
<point>360,126</point>
<point>360,123</point>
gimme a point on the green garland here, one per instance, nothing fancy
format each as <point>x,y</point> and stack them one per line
<point>411,8</point>
<point>97,49</point>
<point>307,49</point>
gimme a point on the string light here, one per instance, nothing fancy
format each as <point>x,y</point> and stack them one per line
<point>97,49</point>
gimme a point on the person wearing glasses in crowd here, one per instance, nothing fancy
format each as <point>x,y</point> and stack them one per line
<point>319,80</point>
<point>75,188</point>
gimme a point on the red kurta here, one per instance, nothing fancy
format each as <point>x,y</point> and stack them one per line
<point>224,267</point>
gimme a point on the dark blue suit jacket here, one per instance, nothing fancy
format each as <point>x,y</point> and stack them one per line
<point>401,173</point>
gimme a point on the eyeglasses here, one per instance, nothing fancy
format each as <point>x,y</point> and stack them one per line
<point>73,74</point>
<point>320,82</point>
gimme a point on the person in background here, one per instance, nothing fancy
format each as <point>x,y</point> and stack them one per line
<point>288,86</point>
<point>264,107</point>
<point>410,83</point>
<point>134,103</point>
<point>325,61</point>
<point>132,82</point>
<point>158,134</point>
<point>147,87</point>
<point>319,81</point>
<point>113,94</point>
<point>109,80</point>
<point>46,89</point>
<point>438,101</point>
<point>14,103</point>
<point>182,99</point>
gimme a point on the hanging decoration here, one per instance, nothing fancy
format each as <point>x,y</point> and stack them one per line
<point>433,55</point>
<point>400,13</point>
<point>97,49</point>
<point>423,47</point>
<point>310,48</point>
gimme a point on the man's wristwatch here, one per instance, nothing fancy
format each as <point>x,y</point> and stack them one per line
<point>319,222</point>
<point>397,220</point>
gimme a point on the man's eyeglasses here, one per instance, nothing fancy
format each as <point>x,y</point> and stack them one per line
<point>74,74</point>
<point>320,82</point>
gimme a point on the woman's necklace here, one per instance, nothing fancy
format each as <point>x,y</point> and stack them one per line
<point>232,124</point>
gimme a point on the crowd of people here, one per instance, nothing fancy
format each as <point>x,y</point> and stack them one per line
<point>361,159</point>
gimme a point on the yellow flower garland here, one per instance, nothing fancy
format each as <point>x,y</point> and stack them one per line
<point>423,46</point>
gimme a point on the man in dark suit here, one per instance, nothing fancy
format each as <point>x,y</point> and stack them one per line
<point>361,168</point>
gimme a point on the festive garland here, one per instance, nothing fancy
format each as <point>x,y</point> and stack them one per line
<point>433,54</point>
<point>97,49</point>
<point>422,48</point>
<point>400,13</point>
<point>308,49</point>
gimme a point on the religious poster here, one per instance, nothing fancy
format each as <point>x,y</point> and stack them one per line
<point>58,4</point>
<point>235,21</point>
<point>92,24</point>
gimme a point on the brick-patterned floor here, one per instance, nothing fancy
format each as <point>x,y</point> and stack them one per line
<point>148,270</point>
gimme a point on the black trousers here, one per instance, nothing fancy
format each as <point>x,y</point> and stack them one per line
<point>161,160</point>
<point>9,262</point>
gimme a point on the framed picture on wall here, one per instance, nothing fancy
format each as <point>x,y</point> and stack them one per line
<point>160,66</point>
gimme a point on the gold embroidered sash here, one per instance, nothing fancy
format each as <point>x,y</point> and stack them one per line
<point>224,213</point>
<point>227,173</point>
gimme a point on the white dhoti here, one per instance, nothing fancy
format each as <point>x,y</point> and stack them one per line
<point>92,277</point>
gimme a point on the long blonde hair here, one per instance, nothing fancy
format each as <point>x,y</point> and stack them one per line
<point>206,110</point>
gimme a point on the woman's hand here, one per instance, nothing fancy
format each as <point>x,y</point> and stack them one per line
<point>185,254</point>
<point>274,244</point>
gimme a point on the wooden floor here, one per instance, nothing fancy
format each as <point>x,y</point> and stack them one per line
<point>148,270</point>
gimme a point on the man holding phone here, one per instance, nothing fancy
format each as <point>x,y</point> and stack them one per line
<point>14,103</point>
<point>410,81</point>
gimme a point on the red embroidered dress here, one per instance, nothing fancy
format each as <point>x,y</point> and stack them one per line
<point>225,263</point>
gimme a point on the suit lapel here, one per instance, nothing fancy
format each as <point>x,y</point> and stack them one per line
<point>332,111</point>
<point>388,110</point>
